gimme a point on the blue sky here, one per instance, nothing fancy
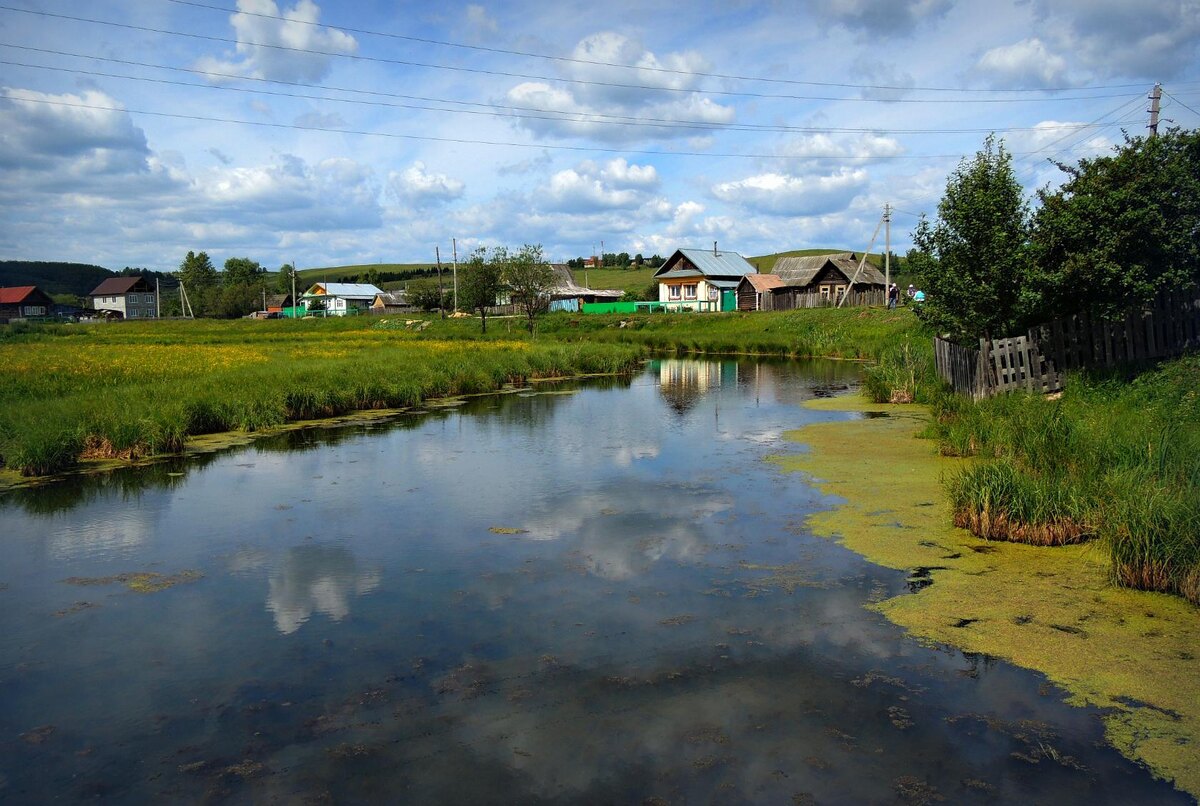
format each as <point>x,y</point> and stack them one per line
<point>331,133</point>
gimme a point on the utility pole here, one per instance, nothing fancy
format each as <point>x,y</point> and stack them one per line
<point>293,289</point>
<point>454,246</point>
<point>437,250</point>
<point>1155,101</point>
<point>887,249</point>
<point>157,299</point>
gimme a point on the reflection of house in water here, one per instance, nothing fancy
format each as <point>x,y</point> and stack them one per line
<point>683,382</point>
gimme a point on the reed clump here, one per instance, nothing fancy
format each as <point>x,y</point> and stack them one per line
<point>1116,458</point>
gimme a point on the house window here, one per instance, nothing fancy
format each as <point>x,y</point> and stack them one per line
<point>689,291</point>
<point>841,292</point>
<point>825,292</point>
<point>673,292</point>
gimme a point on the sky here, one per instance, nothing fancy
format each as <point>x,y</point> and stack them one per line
<point>337,133</point>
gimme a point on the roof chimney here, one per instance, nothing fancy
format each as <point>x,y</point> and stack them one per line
<point>714,248</point>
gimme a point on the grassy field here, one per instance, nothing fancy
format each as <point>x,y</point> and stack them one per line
<point>142,388</point>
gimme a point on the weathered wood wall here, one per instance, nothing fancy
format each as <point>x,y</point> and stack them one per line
<point>786,299</point>
<point>1039,360</point>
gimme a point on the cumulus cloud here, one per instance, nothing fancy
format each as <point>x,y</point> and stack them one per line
<point>335,193</point>
<point>808,153</point>
<point>293,48</point>
<point>782,194</point>
<point>881,17</point>
<point>590,186</point>
<point>1151,39</point>
<point>1027,64</point>
<point>619,102</point>
<point>420,188</point>
<point>89,130</point>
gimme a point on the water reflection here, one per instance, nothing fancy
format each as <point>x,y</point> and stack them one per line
<point>320,579</point>
<point>658,624</point>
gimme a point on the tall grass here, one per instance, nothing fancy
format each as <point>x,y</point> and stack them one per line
<point>130,390</point>
<point>1116,458</point>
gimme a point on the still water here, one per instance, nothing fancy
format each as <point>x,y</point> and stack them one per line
<point>586,592</point>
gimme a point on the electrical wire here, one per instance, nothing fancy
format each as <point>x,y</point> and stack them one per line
<point>499,110</point>
<point>480,71</point>
<point>640,68</point>
<point>471,141</point>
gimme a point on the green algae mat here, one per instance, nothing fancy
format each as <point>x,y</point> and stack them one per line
<point>1054,610</point>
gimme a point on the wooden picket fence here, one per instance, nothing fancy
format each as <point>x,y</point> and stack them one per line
<point>1039,360</point>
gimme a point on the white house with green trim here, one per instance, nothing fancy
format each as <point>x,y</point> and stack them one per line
<point>701,279</point>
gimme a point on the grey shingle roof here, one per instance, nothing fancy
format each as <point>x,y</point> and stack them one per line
<point>800,271</point>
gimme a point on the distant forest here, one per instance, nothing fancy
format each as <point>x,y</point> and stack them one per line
<point>76,279</point>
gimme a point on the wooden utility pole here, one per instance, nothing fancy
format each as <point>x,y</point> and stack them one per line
<point>293,289</point>
<point>437,250</point>
<point>887,250</point>
<point>861,263</point>
<point>1155,103</point>
<point>454,246</point>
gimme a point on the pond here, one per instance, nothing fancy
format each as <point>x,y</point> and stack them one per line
<point>588,591</point>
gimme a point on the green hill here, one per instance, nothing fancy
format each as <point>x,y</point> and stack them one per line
<point>54,277</point>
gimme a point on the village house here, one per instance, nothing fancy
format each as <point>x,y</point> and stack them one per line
<point>818,280</point>
<point>23,302</point>
<point>701,279</point>
<point>126,297</point>
<point>277,302</point>
<point>391,302</point>
<point>567,295</point>
<point>339,299</point>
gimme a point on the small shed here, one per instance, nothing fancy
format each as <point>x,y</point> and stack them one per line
<point>277,302</point>
<point>754,291</point>
<point>391,302</point>
<point>568,295</point>
<point>814,281</point>
<point>24,301</point>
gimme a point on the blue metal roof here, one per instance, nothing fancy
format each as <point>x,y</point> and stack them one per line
<point>719,264</point>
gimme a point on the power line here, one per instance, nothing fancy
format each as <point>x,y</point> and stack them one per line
<point>503,111</point>
<point>598,63</point>
<point>1175,98</point>
<point>507,74</point>
<point>469,141</point>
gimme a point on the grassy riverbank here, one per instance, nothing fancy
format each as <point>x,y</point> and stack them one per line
<point>1115,459</point>
<point>1132,653</point>
<point>141,388</point>
<point>137,388</point>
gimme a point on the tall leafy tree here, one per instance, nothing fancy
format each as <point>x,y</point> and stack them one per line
<point>197,271</point>
<point>241,271</point>
<point>530,279</point>
<point>1121,228</point>
<point>972,262</point>
<point>480,281</point>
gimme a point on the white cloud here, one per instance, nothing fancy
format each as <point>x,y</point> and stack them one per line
<point>646,100</point>
<point>420,188</point>
<point>90,131</point>
<point>590,187</point>
<point>781,194</point>
<point>294,48</point>
<point>1027,64</point>
<point>317,120</point>
<point>1149,39</point>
